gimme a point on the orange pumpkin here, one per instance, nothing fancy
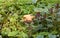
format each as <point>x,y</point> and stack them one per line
<point>28,18</point>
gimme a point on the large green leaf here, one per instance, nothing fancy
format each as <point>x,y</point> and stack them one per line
<point>13,33</point>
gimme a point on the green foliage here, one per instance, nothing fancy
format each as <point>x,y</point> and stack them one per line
<point>12,12</point>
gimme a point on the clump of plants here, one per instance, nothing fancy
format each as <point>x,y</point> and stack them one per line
<point>29,20</point>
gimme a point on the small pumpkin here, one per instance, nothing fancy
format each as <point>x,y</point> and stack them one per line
<point>28,18</point>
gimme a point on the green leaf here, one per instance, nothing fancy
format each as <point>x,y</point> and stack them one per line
<point>52,36</point>
<point>54,32</point>
<point>13,33</point>
<point>44,33</point>
<point>40,36</point>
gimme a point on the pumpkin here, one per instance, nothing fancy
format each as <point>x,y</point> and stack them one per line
<point>28,18</point>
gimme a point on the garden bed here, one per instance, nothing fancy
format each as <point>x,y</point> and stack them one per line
<point>30,19</point>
